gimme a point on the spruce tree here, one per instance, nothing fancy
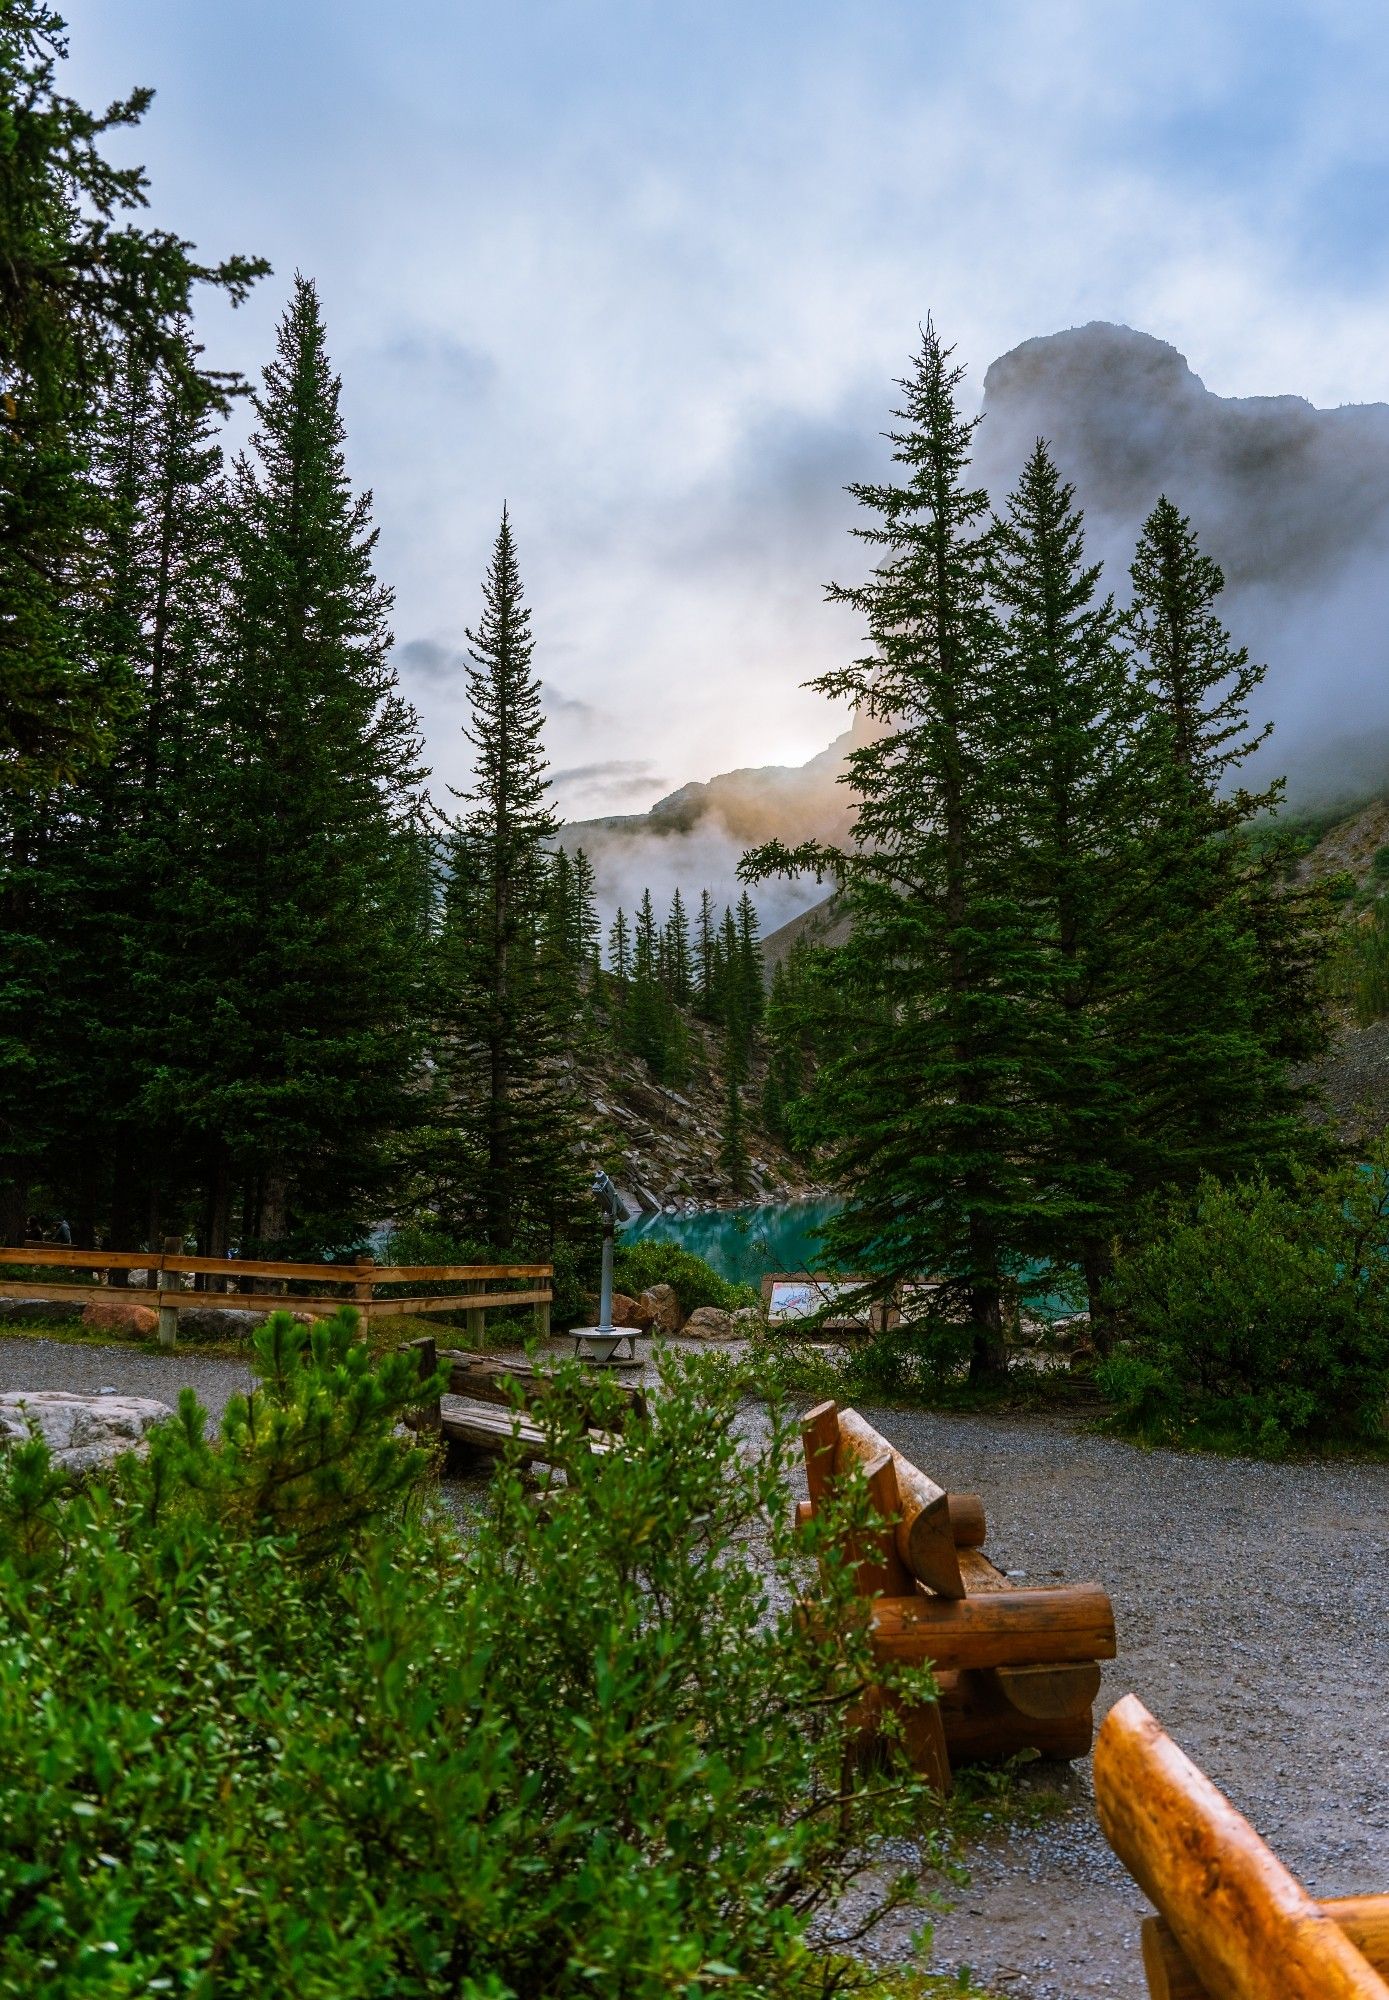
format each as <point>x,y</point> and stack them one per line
<point>620,951</point>
<point>917,1097</point>
<point>292,1032</point>
<point>1223,987</point>
<point>705,955</point>
<point>676,939</point>
<point>1072,776</point>
<point>81,285</point>
<point>648,1024</point>
<point>505,1022</point>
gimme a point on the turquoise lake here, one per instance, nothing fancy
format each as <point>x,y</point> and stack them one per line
<point>743,1244</point>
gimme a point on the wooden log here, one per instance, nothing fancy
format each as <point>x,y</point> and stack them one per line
<point>1050,1694</point>
<point>918,1733</point>
<point>881,1571</point>
<point>967,1523</point>
<point>13,1288</point>
<point>820,1440</point>
<point>980,1574</point>
<point>981,1724</point>
<point>1246,1926</point>
<point>1364,1919</point>
<point>1004,1628</point>
<point>924,1539</point>
<point>430,1414</point>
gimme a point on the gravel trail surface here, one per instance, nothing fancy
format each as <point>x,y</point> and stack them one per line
<point>83,1369</point>
<point>1252,1607</point>
<point>1252,1604</point>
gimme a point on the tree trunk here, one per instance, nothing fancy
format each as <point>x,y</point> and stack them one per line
<point>1097,1259</point>
<point>14,1205</point>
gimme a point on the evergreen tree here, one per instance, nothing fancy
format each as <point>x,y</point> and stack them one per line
<point>676,941</point>
<point>620,951</point>
<point>291,1041</point>
<point>505,1035</point>
<point>1075,789</point>
<point>917,1097</point>
<point>648,1008</point>
<point>586,941</point>
<point>705,957</point>
<point>80,286</point>
<point>1223,988</point>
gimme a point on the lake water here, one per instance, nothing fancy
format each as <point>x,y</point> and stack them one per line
<point>743,1244</point>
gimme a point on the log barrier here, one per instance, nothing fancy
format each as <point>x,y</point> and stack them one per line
<point>1017,1669</point>
<point>1233,1923</point>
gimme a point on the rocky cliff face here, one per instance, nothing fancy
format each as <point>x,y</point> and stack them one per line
<point>662,1146</point>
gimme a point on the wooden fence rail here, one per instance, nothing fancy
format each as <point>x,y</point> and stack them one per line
<point>167,1288</point>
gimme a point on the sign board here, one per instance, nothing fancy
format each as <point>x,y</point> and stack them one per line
<point>792,1297</point>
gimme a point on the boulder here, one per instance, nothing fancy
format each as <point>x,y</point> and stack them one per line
<point>208,1324</point>
<point>709,1323</point>
<point>39,1312</point>
<point>123,1317</point>
<point>81,1431</point>
<point>663,1306</point>
<point>748,1323</point>
<point>634,1314</point>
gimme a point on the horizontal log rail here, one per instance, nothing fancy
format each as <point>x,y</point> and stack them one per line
<point>166,1287</point>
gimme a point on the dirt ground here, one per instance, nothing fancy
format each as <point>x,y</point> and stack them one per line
<point>1252,1604</point>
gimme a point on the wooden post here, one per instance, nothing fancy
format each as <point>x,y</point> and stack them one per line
<point>168,1315</point>
<point>361,1292</point>
<point>1245,1925</point>
<point>542,1319</point>
<point>924,1538</point>
<point>1364,1919</point>
<point>477,1326</point>
<point>431,1414</point>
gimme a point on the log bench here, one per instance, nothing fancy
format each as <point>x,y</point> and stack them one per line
<point>1017,1669</point>
<point>1232,1922</point>
<point>479,1413</point>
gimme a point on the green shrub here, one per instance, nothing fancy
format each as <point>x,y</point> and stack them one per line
<point>1258,1315</point>
<point>1360,971</point>
<point>640,1265</point>
<point>269,1726</point>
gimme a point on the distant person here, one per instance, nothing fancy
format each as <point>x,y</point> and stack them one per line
<point>62,1234</point>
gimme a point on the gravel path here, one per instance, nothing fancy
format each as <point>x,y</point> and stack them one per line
<point>1252,1604</point>
<point>83,1369</point>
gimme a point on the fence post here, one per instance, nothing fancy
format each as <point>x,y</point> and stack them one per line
<point>542,1313</point>
<point>477,1326</point>
<point>168,1315</point>
<point>362,1290</point>
<point>431,1416</point>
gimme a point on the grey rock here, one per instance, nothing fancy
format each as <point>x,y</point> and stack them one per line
<point>206,1323</point>
<point>709,1323</point>
<point>40,1312</point>
<point>80,1431</point>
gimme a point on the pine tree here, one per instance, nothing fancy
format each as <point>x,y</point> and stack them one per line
<point>1223,987</point>
<point>82,286</point>
<point>620,952</point>
<point>1069,765</point>
<point>916,1097</point>
<point>648,1008</point>
<point>586,941</point>
<point>505,1027</point>
<point>291,1041</point>
<point>705,951</point>
<point>676,940</point>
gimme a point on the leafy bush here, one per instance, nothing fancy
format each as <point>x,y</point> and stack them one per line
<point>1259,1315</point>
<point>640,1265</point>
<point>269,1726</point>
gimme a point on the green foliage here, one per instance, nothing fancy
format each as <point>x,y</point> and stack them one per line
<point>637,1266</point>
<point>1361,970</point>
<point>1258,1314</point>
<point>267,1726</point>
<point>80,286</point>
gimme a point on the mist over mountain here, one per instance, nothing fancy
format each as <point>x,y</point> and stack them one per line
<point>1291,500</point>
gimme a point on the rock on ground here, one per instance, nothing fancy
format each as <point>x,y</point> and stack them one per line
<point>709,1323</point>
<point>123,1317</point>
<point>81,1431</point>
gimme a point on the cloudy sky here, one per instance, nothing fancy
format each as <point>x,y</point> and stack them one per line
<point>647,270</point>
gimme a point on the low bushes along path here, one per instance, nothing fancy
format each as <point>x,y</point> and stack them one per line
<point>1252,1604</point>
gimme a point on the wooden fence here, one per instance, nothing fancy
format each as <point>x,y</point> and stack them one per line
<point>168,1285</point>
